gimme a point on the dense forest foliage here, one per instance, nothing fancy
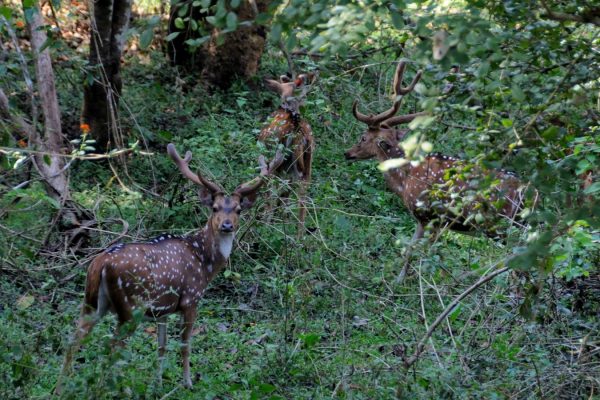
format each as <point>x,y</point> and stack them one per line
<point>327,292</point>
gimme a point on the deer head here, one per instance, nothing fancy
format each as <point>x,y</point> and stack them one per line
<point>287,87</point>
<point>381,139</point>
<point>225,209</point>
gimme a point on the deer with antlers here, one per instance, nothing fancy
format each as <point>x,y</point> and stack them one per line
<point>287,127</point>
<point>168,274</point>
<point>436,190</point>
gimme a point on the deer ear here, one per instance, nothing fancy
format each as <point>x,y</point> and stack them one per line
<point>206,197</point>
<point>383,145</point>
<point>400,134</point>
<point>248,201</point>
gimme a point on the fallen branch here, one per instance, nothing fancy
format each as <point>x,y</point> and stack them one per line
<point>90,156</point>
<point>421,345</point>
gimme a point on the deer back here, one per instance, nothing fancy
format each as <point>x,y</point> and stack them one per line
<point>162,275</point>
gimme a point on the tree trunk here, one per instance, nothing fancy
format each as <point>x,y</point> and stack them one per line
<point>52,166</point>
<point>48,147</point>
<point>238,54</point>
<point>101,96</point>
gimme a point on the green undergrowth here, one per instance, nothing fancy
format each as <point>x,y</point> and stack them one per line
<point>318,317</point>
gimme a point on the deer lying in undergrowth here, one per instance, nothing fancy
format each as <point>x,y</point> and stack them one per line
<point>168,274</point>
<point>288,127</point>
<point>439,191</point>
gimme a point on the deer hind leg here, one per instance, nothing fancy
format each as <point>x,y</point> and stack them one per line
<point>162,344</point>
<point>189,316</point>
<point>88,319</point>
<point>123,308</point>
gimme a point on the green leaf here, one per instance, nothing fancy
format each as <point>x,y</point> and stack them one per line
<point>397,20</point>
<point>276,33</point>
<point>205,3</point>
<point>235,3</point>
<point>179,23</point>
<point>24,302</point>
<point>146,38</point>
<point>6,12</point>
<point>266,388</point>
<point>231,20</point>
<point>507,123</point>
<point>183,10</point>
<point>47,159</point>
<point>551,133</point>
<point>212,20</point>
<point>517,93</point>
<point>583,166</point>
<point>593,188</point>
<point>172,36</point>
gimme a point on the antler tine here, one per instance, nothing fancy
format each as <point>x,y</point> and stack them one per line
<point>184,167</point>
<point>398,78</point>
<point>265,170</point>
<point>374,120</point>
<point>402,119</point>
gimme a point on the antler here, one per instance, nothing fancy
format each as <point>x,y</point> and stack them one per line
<point>184,167</point>
<point>399,76</point>
<point>265,170</point>
<point>402,119</point>
<point>378,119</point>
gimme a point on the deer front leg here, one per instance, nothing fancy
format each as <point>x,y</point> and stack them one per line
<point>162,344</point>
<point>189,316</point>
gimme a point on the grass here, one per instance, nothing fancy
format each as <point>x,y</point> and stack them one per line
<point>315,318</point>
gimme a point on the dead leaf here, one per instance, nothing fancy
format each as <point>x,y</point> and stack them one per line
<point>24,302</point>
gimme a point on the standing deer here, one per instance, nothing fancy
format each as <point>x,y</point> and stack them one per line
<point>287,127</point>
<point>433,189</point>
<point>168,274</point>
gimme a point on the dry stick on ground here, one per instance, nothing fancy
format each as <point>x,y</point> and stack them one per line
<point>408,362</point>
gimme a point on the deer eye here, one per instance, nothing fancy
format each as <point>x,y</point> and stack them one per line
<point>363,139</point>
<point>215,208</point>
<point>238,210</point>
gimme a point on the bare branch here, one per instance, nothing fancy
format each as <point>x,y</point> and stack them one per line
<point>589,16</point>
<point>421,345</point>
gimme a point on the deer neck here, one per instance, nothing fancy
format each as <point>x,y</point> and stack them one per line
<point>395,177</point>
<point>212,249</point>
<point>392,150</point>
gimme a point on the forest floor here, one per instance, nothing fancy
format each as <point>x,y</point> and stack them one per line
<point>317,317</point>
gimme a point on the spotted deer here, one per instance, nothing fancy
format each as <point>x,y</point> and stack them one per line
<point>169,274</point>
<point>441,190</point>
<point>287,127</point>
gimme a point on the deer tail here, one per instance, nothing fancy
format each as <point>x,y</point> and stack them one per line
<point>92,285</point>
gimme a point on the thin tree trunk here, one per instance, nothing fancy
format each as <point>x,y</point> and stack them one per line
<point>47,159</point>
<point>51,166</point>
<point>101,97</point>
